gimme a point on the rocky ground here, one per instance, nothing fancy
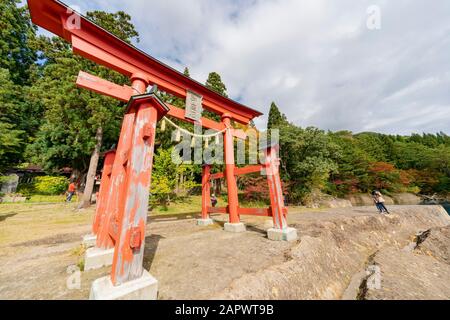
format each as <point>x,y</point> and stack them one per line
<point>346,253</point>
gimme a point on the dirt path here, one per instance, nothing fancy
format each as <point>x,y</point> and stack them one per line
<point>39,243</point>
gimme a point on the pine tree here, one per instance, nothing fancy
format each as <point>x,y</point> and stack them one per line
<point>215,83</point>
<point>77,122</point>
<point>19,117</point>
<point>276,118</point>
<point>11,138</point>
<point>16,31</point>
<point>186,72</point>
<point>118,23</point>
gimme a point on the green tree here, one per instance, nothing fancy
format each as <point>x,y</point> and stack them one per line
<point>186,72</point>
<point>353,167</point>
<point>16,31</point>
<point>12,137</point>
<point>118,23</point>
<point>77,123</point>
<point>19,118</point>
<point>10,144</point>
<point>168,178</point>
<point>214,82</point>
<point>308,158</point>
<point>276,118</point>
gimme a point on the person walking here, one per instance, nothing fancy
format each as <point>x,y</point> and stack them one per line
<point>71,191</point>
<point>213,200</point>
<point>379,202</point>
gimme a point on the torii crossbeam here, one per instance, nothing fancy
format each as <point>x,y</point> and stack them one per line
<point>121,214</point>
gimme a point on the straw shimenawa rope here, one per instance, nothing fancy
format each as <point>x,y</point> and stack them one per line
<point>191,133</point>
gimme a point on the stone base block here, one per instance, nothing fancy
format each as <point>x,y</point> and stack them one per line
<point>234,227</point>
<point>268,224</point>
<point>288,234</point>
<point>96,258</point>
<point>205,222</point>
<point>143,288</point>
<point>89,240</point>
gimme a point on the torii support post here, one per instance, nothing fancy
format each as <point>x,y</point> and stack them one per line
<point>234,224</point>
<point>129,253</point>
<point>103,252</point>
<point>128,277</point>
<point>280,231</point>
<point>105,185</point>
<point>101,201</point>
<point>206,196</point>
<point>106,236</point>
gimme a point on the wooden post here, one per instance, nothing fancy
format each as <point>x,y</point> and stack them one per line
<point>109,225</point>
<point>233,202</point>
<point>206,190</point>
<point>105,185</point>
<point>129,246</point>
<point>272,164</point>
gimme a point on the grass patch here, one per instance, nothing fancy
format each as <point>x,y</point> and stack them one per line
<point>37,198</point>
<point>49,199</point>
<point>79,252</point>
<point>28,221</point>
<point>192,204</point>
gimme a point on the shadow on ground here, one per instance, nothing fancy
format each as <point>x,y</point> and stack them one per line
<point>169,217</point>
<point>151,246</point>
<point>6,216</point>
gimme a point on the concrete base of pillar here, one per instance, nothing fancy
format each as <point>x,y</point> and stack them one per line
<point>96,258</point>
<point>288,234</point>
<point>234,227</point>
<point>143,288</point>
<point>89,240</point>
<point>204,222</point>
<point>268,224</point>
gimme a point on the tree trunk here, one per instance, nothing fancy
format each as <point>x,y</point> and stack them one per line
<point>177,184</point>
<point>182,184</point>
<point>218,187</point>
<point>93,164</point>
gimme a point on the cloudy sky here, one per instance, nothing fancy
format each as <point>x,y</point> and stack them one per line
<point>317,59</point>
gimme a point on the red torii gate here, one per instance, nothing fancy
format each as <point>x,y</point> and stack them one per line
<point>122,208</point>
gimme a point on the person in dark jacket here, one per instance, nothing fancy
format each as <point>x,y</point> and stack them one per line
<point>213,200</point>
<point>379,202</point>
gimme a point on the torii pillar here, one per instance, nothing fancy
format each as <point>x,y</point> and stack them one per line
<point>90,240</point>
<point>206,196</point>
<point>128,227</point>
<point>234,224</point>
<point>280,231</point>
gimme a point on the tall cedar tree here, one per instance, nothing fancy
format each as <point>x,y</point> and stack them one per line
<point>276,118</point>
<point>77,123</point>
<point>16,30</point>
<point>19,119</point>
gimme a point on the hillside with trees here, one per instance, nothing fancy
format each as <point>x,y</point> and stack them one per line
<point>342,163</point>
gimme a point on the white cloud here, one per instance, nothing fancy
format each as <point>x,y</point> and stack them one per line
<point>316,59</point>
